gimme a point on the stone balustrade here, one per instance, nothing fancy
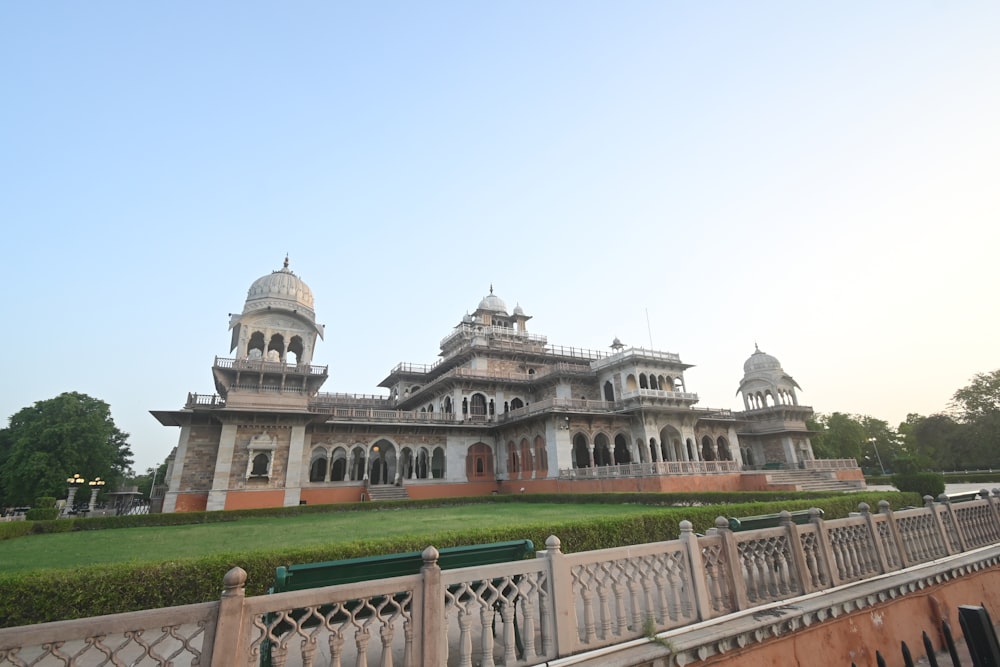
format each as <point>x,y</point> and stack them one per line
<point>533,611</point>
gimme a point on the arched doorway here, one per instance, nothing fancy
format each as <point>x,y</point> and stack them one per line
<point>581,455</point>
<point>382,463</point>
<point>622,454</point>
<point>602,452</point>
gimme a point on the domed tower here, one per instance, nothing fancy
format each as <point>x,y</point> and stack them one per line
<point>765,383</point>
<point>273,339</point>
<point>774,430</point>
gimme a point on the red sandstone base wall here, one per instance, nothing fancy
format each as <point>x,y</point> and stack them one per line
<point>196,502</point>
<point>191,502</point>
<point>855,637</point>
<point>248,500</point>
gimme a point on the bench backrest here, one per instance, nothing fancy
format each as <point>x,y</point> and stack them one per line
<point>351,570</point>
<point>768,520</point>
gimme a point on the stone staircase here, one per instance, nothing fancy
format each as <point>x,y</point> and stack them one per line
<point>811,480</point>
<point>378,492</point>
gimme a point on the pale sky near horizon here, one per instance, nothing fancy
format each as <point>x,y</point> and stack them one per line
<point>818,178</point>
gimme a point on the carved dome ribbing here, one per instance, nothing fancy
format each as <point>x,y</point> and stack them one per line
<point>280,289</point>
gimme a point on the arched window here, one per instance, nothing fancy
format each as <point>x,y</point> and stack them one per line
<point>513,465</point>
<point>707,449</point>
<point>516,403</point>
<point>527,465</point>
<point>630,383</point>
<point>724,453</point>
<point>260,465</point>
<point>423,463</point>
<point>479,462</point>
<point>317,469</point>
<point>643,384</point>
<point>357,464</point>
<point>437,463</point>
<point>276,348</point>
<point>652,382</point>
<point>447,405</point>
<point>609,391</point>
<point>338,466</point>
<point>581,455</point>
<point>295,348</point>
<point>602,453</point>
<point>477,407</point>
<point>622,455</point>
<point>255,348</point>
<point>541,458</point>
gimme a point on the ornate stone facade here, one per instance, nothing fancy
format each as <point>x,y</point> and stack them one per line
<point>502,410</point>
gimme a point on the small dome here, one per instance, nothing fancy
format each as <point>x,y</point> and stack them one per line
<point>760,361</point>
<point>467,319</point>
<point>518,310</point>
<point>280,289</point>
<point>493,303</point>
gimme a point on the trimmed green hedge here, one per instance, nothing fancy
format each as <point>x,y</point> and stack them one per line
<point>41,596</point>
<point>924,483</point>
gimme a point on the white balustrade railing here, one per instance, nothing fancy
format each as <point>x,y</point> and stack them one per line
<point>524,612</point>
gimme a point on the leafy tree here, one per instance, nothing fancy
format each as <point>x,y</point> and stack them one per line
<point>980,399</point>
<point>977,408</point>
<point>838,436</point>
<point>53,439</point>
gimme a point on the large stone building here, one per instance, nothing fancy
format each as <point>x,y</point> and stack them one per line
<point>502,410</point>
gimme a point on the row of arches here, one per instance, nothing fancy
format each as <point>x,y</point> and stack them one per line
<point>379,464</point>
<point>526,459</point>
<point>661,382</point>
<point>476,406</point>
<point>275,348</point>
<point>600,452</point>
<point>766,399</point>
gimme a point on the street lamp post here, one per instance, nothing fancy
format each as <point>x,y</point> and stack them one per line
<point>95,486</point>
<point>74,483</point>
<point>879,458</point>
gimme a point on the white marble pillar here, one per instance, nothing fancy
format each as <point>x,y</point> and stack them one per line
<point>174,486</point>
<point>223,468</point>
<point>293,468</point>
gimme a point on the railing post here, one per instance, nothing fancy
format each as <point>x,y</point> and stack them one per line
<point>883,561</point>
<point>897,538</point>
<point>696,571</point>
<point>734,565</point>
<point>825,549</point>
<point>228,646</point>
<point>994,510</point>
<point>798,555</point>
<point>945,537</point>
<point>563,599</point>
<point>430,628</point>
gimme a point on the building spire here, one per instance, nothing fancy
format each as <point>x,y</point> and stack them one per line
<point>286,261</point>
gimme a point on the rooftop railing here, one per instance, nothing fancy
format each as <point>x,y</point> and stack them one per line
<point>262,366</point>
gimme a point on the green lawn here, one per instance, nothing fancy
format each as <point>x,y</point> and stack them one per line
<point>67,550</point>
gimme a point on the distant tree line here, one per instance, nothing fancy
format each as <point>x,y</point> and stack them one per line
<point>966,437</point>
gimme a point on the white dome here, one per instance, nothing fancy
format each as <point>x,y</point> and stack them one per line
<point>760,361</point>
<point>280,289</point>
<point>493,303</point>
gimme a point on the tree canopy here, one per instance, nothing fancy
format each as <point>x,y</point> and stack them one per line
<point>55,439</point>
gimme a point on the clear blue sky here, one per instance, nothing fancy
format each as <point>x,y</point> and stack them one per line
<point>821,178</point>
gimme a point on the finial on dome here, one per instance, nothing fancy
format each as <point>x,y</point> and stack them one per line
<point>286,260</point>
<point>491,288</point>
<point>755,348</point>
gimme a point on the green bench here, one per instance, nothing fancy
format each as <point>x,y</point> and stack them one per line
<point>352,570</point>
<point>768,520</point>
